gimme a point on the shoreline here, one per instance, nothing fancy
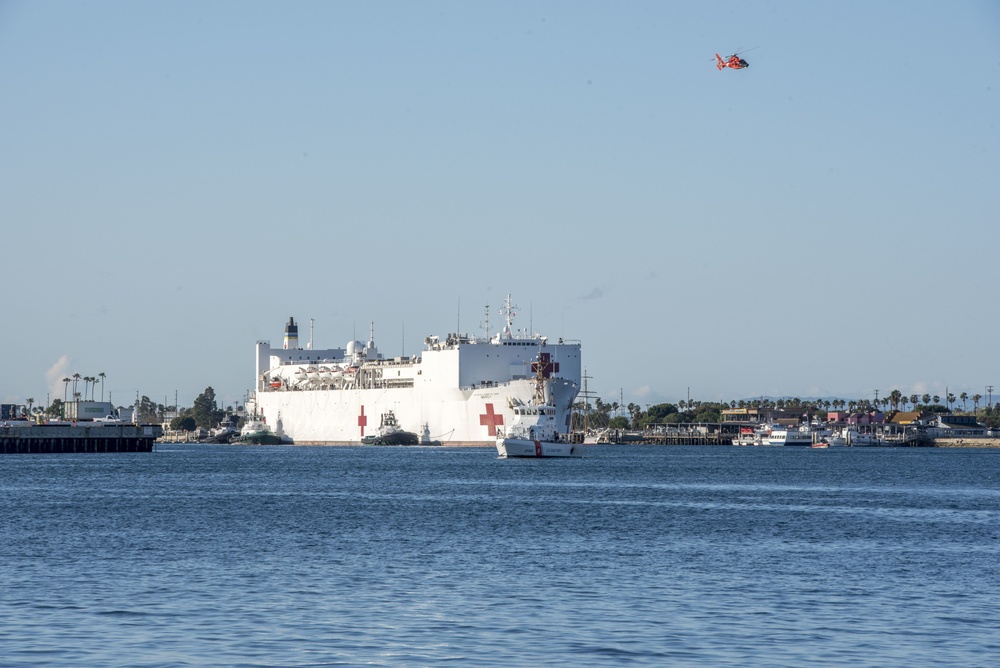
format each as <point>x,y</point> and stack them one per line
<point>989,442</point>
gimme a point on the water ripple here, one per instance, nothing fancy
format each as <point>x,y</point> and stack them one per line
<point>693,556</point>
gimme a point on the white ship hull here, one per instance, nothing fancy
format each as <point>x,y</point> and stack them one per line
<point>517,447</point>
<point>457,391</point>
<point>451,417</point>
<point>788,438</point>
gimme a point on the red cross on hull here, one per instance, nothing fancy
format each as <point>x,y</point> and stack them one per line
<point>491,419</point>
<point>362,421</point>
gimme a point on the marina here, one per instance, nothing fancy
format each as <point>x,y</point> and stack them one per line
<point>725,434</point>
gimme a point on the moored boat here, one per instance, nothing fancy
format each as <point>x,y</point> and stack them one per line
<point>781,436</point>
<point>256,432</point>
<point>390,433</point>
<point>748,436</point>
<point>851,437</point>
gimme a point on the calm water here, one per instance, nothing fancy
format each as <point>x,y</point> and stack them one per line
<point>645,556</point>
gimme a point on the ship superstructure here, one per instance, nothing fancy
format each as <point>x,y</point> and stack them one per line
<point>457,391</point>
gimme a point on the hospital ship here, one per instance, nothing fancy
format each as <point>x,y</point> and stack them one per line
<point>461,390</point>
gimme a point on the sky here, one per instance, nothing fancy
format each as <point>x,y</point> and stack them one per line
<point>178,178</point>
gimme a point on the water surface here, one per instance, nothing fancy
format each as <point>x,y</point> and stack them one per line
<point>647,556</point>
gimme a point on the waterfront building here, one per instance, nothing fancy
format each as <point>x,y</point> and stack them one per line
<point>955,426</point>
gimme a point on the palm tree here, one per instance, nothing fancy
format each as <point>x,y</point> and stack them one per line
<point>976,398</point>
<point>937,399</point>
<point>31,402</point>
<point>103,376</point>
<point>76,379</point>
<point>963,396</point>
<point>926,399</point>
<point>65,387</point>
<point>951,400</point>
<point>913,401</point>
<point>894,398</point>
<point>634,411</point>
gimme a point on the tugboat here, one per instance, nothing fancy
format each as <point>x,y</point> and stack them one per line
<point>390,433</point>
<point>256,432</point>
<point>535,432</point>
<point>224,433</point>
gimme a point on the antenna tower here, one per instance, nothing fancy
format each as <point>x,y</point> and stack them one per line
<point>508,312</point>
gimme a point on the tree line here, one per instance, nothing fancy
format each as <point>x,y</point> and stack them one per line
<point>205,413</point>
<point>633,416</point>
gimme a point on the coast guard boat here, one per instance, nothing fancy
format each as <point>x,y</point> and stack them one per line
<point>458,391</point>
<point>535,430</point>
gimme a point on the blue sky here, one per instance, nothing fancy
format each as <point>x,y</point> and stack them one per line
<point>178,178</point>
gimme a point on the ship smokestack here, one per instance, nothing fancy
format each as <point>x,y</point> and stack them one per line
<point>291,335</point>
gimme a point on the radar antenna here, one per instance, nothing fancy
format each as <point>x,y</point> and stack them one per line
<point>508,312</point>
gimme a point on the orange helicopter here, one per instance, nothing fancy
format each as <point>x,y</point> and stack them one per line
<point>734,61</point>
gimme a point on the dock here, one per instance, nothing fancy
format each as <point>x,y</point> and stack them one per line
<point>80,437</point>
<point>678,434</point>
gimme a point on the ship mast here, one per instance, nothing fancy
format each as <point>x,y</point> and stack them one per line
<point>586,403</point>
<point>539,381</point>
<point>507,311</point>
